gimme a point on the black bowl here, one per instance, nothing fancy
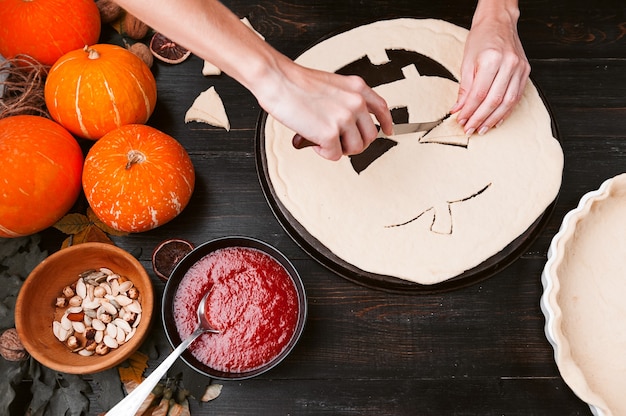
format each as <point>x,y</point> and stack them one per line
<point>194,256</point>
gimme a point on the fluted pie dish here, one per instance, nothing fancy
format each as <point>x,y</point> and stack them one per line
<point>584,283</point>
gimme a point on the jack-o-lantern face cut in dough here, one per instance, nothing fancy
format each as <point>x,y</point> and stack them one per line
<point>423,207</point>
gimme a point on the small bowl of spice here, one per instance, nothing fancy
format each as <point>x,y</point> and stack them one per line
<point>256,301</point>
<point>85,308</point>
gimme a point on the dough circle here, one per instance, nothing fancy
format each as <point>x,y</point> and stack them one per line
<point>434,205</point>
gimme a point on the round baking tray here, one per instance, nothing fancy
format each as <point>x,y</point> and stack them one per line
<point>324,256</point>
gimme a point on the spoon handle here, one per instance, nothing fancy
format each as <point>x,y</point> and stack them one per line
<point>131,403</point>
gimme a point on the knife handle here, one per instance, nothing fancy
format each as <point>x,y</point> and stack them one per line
<point>300,142</point>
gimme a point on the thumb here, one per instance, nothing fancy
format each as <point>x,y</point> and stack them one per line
<point>465,85</point>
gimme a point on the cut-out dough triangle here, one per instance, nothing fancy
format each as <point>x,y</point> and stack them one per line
<point>208,108</point>
<point>449,132</point>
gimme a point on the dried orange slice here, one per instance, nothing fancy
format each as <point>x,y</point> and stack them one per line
<point>167,50</point>
<point>167,255</point>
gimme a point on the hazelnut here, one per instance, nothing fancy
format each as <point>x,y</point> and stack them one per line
<point>72,343</point>
<point>75,301</point>
<point>68,292</point>
<point>134,28</point>
<point>99,292</point>
<point>11,347</point>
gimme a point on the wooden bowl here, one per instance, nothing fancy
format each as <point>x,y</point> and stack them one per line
<point>35,309</point>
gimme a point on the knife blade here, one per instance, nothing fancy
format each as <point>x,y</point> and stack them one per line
<point>399,129</point>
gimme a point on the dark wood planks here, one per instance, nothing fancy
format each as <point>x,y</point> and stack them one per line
<point>480,350</point>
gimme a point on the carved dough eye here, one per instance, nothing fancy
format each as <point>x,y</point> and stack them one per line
<point>391,71</point>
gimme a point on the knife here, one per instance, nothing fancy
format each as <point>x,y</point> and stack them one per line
<point>300,142</point>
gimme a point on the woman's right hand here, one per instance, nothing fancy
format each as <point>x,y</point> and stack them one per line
<point>333,111</point>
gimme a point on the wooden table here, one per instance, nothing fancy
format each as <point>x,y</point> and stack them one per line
<point>480,350</point>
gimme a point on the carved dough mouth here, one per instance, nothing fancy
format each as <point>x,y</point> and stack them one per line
<point>442,222</point>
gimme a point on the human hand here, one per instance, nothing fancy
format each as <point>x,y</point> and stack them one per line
<point>494,72</point>
<point>333,111</point>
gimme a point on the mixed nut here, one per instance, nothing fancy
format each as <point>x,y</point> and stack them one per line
<point>100,312</point>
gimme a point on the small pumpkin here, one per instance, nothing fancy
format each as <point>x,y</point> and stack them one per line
<point>94,90</point>
<point>137,178</point>
<point>47,29</point>
<point>41,175</point>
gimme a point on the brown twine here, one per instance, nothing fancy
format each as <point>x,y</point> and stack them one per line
<point>23,87</point>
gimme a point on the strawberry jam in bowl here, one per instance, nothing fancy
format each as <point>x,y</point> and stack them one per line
<point>257,303</point>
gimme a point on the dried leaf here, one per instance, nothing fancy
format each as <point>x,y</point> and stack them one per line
<point>72,223</point>
<point>89,234</point>
<point>69,397</point>
<point>148,401</point>
<point>186,411</point>
<point>138,362</point>
<point>163,406</point>
<point>98,223</point>
<point>212,392</point>
<point>109,391</point>
<point>19,256</point>
<point>12,374</point>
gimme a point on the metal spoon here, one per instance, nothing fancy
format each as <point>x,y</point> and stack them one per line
<point>131,403</point>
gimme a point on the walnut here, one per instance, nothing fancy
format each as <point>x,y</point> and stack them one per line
<point>134,28</point>
<point>133,293</point>
<point>109,10</point>
<point>11,347</point>
<point>91,345</point>
<point>61,302</point>
<point>90,334</point>
<point>102,349</point>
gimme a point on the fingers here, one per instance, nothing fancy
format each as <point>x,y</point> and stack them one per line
<point>356,129</point>
<point>488,95</point>
<point>378,106</point>
<point>354,139</point>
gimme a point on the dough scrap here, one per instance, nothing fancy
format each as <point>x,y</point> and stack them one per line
<point>208,108</point>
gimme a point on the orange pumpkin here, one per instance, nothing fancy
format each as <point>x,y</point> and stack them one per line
<point>47,29</point>
<point>137,178</point>
<point>94,90</point>
<point>41,175</point>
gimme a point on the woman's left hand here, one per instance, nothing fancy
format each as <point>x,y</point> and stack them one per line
<point>494,70</point>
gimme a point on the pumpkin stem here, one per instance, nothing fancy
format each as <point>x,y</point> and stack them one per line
<point>135,156</point>
<point>93,54</point>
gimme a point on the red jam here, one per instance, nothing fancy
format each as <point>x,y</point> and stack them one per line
<point>253,303</point>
